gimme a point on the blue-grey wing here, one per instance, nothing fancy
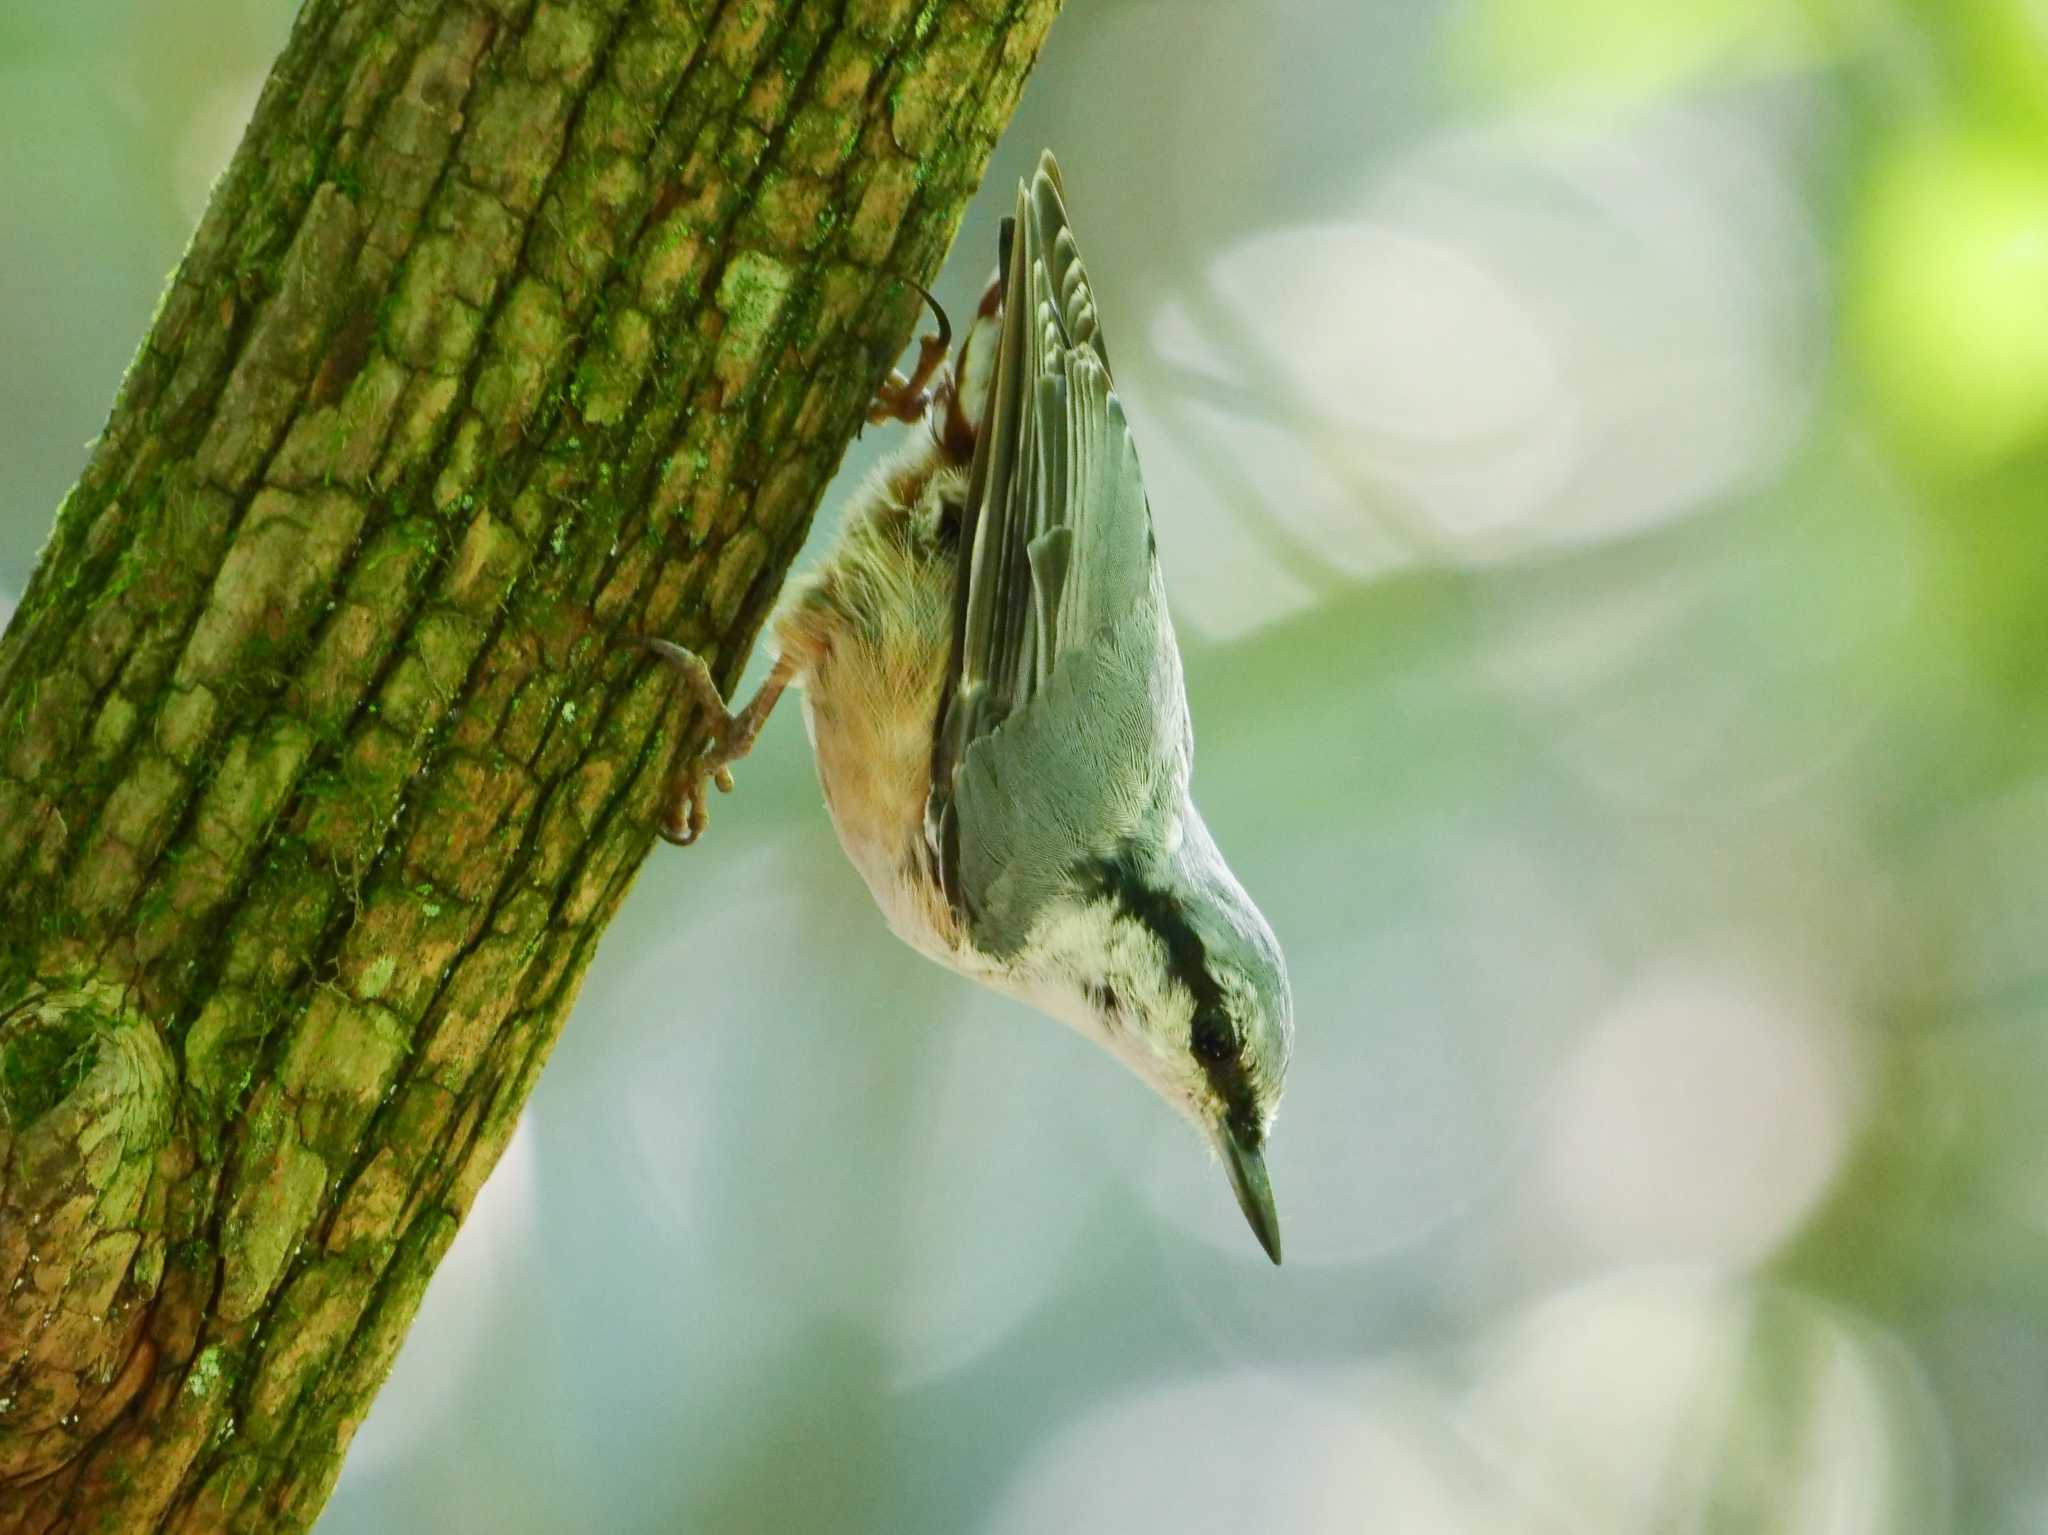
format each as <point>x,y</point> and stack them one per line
<point>1064,731</point>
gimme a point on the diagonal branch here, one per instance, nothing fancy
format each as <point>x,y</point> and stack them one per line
<point>513,330</point>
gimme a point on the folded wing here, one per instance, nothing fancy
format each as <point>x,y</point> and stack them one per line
<point>1063,732</point>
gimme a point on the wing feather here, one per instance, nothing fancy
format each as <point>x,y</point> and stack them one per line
<point>1064,722</point>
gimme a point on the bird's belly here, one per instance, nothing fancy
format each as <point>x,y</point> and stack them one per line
<point>870,708</point>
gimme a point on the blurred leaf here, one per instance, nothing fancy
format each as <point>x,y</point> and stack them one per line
<point>1625,49</point>
<point>1949,293</point>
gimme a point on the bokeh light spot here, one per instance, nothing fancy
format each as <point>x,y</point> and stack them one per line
<point>1702,1118</point>
<point>1951,294</point>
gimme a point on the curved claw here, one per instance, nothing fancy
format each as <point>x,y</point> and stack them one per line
<point>906,399</point>
<point>690,819</point>
<point>944,338</point>
<point>732,737</point>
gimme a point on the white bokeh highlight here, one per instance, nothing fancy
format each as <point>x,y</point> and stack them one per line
<point>1514,340</point>
<point>1240,1451</point>
<point>1639,1402</point>
<point>1703,1117</point>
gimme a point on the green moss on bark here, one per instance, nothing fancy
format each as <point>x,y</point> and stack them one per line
<point>42,1061</point>
<point>513,329</point>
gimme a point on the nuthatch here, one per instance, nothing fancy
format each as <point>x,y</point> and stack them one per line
<point>993,691</point>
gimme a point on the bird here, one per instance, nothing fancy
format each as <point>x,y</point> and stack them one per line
<point>994,697</point>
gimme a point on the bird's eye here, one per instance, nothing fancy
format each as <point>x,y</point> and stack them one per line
<point>1213,1039</point>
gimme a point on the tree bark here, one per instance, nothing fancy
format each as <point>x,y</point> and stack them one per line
<point>513,329</point>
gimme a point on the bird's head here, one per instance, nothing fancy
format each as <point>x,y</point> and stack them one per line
<point>1176,972</point>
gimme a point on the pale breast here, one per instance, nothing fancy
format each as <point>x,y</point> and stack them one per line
<point>870,634</point>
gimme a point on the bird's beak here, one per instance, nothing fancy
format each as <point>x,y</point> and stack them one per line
<point>1247,1168</point>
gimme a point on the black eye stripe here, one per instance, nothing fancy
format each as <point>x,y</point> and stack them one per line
<point>1187,958</point>
<point>1213,1036</point>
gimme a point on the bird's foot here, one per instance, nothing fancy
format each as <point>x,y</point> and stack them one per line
<point>907,399</point>
<point>686,800</point>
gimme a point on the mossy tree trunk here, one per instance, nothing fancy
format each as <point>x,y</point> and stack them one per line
<point>514,329</point>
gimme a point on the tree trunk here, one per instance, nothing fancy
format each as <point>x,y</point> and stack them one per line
<point>513,330</point>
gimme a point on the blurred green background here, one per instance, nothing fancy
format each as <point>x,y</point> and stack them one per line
<point>1599,452</point>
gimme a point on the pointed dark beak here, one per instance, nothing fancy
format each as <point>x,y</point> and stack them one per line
<point>1247,1168</point>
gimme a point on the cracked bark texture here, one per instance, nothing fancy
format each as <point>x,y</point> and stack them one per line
<point>513,329</point>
